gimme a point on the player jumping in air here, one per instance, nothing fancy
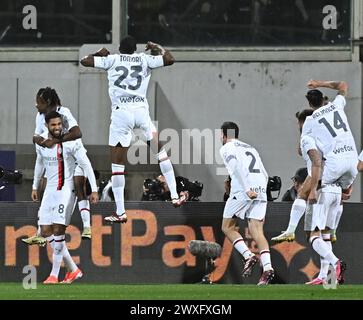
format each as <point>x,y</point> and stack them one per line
<point>128,76</point>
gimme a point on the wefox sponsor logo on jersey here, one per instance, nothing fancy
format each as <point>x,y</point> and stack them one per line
<point>258,189</point>
<point>132,99</point>
<point>343,149</point>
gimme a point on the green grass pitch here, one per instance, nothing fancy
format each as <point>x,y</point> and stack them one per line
<point>178,292</point>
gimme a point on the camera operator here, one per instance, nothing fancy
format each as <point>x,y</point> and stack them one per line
<point>157,189</point>
<point>298,179</point>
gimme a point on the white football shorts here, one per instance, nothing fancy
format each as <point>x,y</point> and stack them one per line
<point>124,120</point>
<point>242,208</point>
<point>57,206</point>
<point>322,214</point>
<point>342,172</point>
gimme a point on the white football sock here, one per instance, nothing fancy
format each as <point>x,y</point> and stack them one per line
<point>265,258</point>
<point>241,247</point>
<point>84,209</point>
<point>167,170</point>
<point>323,250</point>
<point>118,187</point>
<point>68,261</point>
<point>50,240</point>
<point>297,211</point>
<point>57,255</point>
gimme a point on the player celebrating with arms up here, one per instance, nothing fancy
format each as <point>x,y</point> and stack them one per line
<point>129,75</point>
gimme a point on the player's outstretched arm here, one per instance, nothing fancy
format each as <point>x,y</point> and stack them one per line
<point>74,133</point>
<point>157,49</point>
<point>340,86</point>
<point>38,140</point>
<point>89,61</point>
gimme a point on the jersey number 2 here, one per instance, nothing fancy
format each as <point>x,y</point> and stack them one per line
<point>252,164</point>
<point>338,124</point>
<point>125,72</point>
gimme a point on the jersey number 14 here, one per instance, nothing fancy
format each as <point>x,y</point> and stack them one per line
<point>338,124</point>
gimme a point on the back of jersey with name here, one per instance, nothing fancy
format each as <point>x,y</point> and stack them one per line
<point>248,157</point>
<point>330,129</point>
<point>128,76</point>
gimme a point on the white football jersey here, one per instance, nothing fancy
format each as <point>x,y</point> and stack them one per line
<point>128,77</point>
<point>307,143</point>
<point>59,163</point>
<point>249,166</point>
<point>329,127</point>
<point>68,121</point>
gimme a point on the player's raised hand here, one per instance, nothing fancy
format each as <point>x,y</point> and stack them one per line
<point>34,195</point>
<point>313,84</point>
<point>155,49</point>
<point>252,195</point>
<point>94,197</point>
<point>150,45</point>
<point>103,52</point>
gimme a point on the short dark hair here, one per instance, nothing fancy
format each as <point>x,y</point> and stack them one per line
<point>300,175</point>
<point>50,96</point>
<point>128,45</point>
<point>302,115</point>
<point>52,115</point>
<point>230,129</point>
<point>315,98</point>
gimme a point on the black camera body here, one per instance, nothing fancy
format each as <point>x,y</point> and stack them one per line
<point>154,190</point>
<point>273,184</point>
<point>194,188</point>
<point>10,176</point>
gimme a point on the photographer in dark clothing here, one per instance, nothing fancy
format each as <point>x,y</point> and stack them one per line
<point>298,179</point>
<point>157,189</point>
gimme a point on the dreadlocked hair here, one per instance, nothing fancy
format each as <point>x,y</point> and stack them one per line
<point>50,96</point>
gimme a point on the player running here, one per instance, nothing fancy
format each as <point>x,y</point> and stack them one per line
<point>129,75</point>
<point>59,162</point>
<point>247,199</point>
